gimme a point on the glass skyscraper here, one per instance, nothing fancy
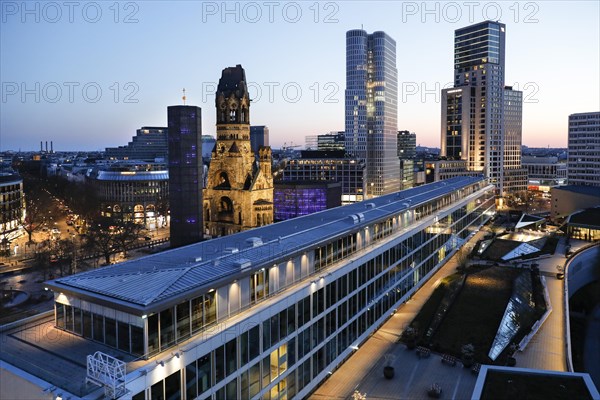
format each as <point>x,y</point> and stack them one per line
<point>473,112</point>
<point>185,174</point>
<point>372,108</point>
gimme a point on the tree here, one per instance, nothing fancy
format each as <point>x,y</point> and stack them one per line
<point>100,237</point>
<point>127,234</point>
<point>34,217</point>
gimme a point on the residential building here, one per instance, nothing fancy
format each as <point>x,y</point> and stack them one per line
<point>262,313</point>
<point>584,149</point>
<point>185,174</point>
<point>12,208</point>
<point>149,144</point>
<point>371,101</point>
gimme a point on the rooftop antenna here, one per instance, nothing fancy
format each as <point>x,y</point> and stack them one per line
<point>183,97</point>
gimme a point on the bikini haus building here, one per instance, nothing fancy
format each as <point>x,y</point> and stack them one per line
<point>265,313</point>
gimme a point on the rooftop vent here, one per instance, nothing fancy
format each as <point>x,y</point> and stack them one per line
<point>254,241</point>
<point>370,205</point>
<point>244,264</point>
<point>231,250</point>
<point>358,217</point>
<point>197,259</point>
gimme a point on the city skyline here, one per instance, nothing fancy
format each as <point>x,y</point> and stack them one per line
<point>143,61</point>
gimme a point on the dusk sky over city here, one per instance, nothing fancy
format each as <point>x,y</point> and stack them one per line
<point>86,75</point>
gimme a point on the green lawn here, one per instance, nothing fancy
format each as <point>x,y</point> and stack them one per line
<point>476,313</point>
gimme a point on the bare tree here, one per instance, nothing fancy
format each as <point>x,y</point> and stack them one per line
<point>100,238</point>
<point>34,217</point>
<point>127,234</point>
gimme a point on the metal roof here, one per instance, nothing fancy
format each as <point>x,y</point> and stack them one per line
<point>156,278</point>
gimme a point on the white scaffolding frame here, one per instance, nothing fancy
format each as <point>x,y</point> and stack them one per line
<point>108,372</point>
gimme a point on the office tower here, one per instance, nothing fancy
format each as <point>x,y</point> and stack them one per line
<point>372,108</point>
<point>474,124</point>
<point>185,174</point>
<point>407,150</point>
<point>329,165</point>
<point>407,145</point>
<point>584,149</point>
<point>332,141</point>
<point>149,144</point>
<point>239,190</point>
<point>259,136</point>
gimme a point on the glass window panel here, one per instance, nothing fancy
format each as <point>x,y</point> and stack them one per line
<point>60,315</point>
<point>244,349</point>
<point>87,324</point>
<point>153,344</point>
<point>110,331</point>
<point>157,391</point>
<point>173,386</point>
<point>254,342</point>
<point>210,308</point>
<point>219,364</point>
<point>77,320</point>
<point>191,380</point>
<point>231,356</point>
<point>167,334</point>
<point>204,373</point>
<point>137,340</point>
<point>254,378</point>
<point>197,314</point>
<point>98,328</point>
<point>183,320</point>
<point>123,330</point>
<point>69,318</point>
<point>231,390</point>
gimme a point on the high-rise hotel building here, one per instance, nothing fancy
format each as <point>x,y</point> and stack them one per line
<point>583,167</point>
<point>264,313</point>
<point>481,118</point>
<point>372,108</point>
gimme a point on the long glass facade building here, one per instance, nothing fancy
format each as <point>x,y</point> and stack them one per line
<point>265,313</point>
<point>371,102</point>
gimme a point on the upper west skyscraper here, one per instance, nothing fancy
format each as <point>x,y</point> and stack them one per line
<point>372,108</point>
<point>481,118</point>
<point>584,149</point>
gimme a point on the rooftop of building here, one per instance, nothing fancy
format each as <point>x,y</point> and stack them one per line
<point>150,283</point>
<point>580,189</point>
<point>589,217</point>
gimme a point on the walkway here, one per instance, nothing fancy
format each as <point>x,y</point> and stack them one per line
<point>364,369</point>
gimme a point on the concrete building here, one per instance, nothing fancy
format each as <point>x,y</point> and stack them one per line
<point>568,199</point>
<point>208,145</point>
<point>584,149</point>
<point>12,208</point>
<point>239,189</point>
<point>259,137</point>
<point>371,101</point>
<point>262,313</point>
<point>333,166</point>
<point>544,172</point>
<point>185,174</point>
<point>138,193</point>
<point>481,118</point>
<point>149,144</point>
<point>407,151</point>
<point>294,199</point>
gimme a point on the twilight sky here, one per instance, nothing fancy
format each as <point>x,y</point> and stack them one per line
<point>86,75</point>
